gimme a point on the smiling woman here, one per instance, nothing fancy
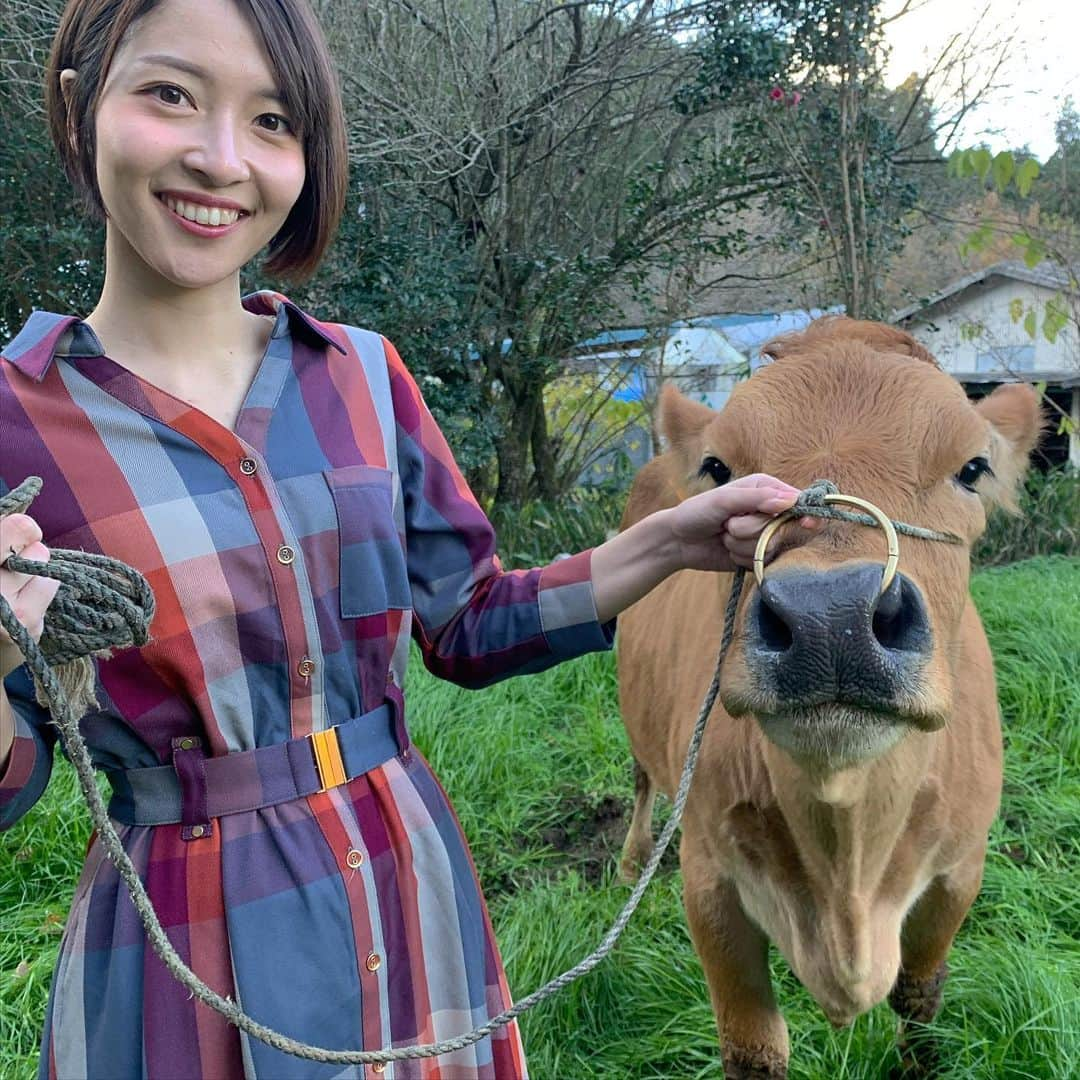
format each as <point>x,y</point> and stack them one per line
<point>288,80</point>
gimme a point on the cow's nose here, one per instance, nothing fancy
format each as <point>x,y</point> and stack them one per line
<point>832,635</point>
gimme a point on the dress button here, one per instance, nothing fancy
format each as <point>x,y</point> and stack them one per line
<point>248,465</point>
<point>187,743</point>
<point>306,668</point>
<point>198,830</point>
<point>285,554</point>
<point>373,962</point>
<point>354,858</point>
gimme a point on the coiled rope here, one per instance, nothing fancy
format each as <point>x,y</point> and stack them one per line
<point>102,605</point>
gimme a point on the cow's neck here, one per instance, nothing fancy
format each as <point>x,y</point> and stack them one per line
<point>846,823</point>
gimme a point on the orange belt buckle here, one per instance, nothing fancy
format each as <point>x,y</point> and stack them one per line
<point>328,760</point>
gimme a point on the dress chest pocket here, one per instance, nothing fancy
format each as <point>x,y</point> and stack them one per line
<point>373,576</point>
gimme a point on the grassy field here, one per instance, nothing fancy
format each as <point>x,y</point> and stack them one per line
<point>539,771</point>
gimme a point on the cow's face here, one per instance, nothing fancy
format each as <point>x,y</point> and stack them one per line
<point>834,670</point>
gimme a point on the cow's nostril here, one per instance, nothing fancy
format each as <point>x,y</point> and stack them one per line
<point>900,621</point>
<point>775,634</point>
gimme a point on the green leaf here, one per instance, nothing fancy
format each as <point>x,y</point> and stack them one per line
<point>1016,309</point>
<point>981,161</point>
<point>1055,319</point>
<point>1035,253</point>
<point>1030,323</point>
<point>1026,173</point>
<point>977,240</point>
<point>1002,170</point>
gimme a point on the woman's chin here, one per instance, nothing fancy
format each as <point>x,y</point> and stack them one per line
<point>194,276</point>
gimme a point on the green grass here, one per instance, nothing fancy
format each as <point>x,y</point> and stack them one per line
<point>543,804</point>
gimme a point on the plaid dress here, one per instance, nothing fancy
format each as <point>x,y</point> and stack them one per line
<point>291,559</point>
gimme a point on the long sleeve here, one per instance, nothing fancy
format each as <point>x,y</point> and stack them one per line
<point>29,765</point>
<point>476,623</point>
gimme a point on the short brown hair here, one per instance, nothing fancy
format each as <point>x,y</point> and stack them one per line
<point>87,39</point>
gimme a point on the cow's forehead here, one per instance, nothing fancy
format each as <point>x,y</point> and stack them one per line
<point>845,404</point>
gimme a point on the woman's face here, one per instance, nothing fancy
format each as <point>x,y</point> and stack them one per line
<point>197,162</point>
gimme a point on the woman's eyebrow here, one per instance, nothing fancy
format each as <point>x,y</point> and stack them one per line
<point>180,64</point>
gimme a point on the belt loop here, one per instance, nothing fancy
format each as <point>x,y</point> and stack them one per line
<point>396,700</point>
<point>188,757</point>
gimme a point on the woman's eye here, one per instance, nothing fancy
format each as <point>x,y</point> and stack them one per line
<point>169,95</point>
<point>274,122</point>
<point>971,473</point>
<point>715,470</point>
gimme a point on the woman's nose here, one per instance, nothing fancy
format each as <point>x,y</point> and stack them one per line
<point>219,155</point>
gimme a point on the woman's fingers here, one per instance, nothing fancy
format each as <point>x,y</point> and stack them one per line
<point>30,604</point>
<point>746,526</point>
<point>17,531</point>
<point>28,595</point>
<point>742,551</point>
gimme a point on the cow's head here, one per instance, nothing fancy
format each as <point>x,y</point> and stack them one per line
<point>834,670</point>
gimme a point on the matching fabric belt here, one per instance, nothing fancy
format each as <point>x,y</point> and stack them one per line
<point>195,789</point>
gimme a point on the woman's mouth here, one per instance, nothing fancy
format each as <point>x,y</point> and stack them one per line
<point>209,218</point>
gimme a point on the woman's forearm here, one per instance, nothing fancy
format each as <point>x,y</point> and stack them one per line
<point>629,565</point>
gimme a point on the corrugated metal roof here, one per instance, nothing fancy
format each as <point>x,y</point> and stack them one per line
<point>1045,274</point>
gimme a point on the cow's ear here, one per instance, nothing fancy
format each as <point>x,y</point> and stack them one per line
<point>683,423</point>
<point>1016,423</point>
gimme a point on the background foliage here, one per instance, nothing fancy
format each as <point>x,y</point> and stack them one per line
<point>527,174</point>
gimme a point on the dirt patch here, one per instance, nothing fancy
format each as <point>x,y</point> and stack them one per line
<point>1014,852</point>
<point>590,834</point>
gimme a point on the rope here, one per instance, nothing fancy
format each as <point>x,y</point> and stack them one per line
<point>810,504</point>
<point>117,606</point>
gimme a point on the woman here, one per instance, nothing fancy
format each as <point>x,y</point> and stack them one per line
<point>283,487</point>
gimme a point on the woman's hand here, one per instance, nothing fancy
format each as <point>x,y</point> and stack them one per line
<point>716,530</point>
<point>719,529</point>
<point>29,596</point>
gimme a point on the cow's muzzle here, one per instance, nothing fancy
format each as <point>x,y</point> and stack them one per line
<point>831,637</point>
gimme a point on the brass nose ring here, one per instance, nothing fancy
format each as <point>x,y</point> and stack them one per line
<point>891,539</point>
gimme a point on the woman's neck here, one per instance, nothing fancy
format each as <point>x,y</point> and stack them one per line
<point>150,324</point>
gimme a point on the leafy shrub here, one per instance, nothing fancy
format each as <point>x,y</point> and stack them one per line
<point>1048,522</point>
<point>533,534</point>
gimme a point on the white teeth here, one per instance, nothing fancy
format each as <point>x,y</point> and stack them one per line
<point>203,215</point>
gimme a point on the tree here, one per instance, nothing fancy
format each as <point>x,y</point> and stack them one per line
<point>1058,186</point>
<point>859,157</point>
<point>556,143</point>
<point>50,256</point>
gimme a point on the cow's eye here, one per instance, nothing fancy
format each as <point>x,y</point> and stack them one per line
<point>715,469</point>
<point>971,473</point>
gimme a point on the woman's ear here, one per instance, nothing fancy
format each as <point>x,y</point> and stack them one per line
<point>67,89</point>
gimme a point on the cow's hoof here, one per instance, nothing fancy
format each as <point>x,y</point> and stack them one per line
<point>635,854</point>
<point>920,1062</point>
<point>918,999</point>
<point>743,1064</point>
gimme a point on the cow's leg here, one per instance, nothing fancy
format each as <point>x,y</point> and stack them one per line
<point>925,940</point>
<point>735,956</point>
<point>926,937</point>
<point>638,845</point>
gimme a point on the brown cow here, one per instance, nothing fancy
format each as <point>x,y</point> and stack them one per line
<point>844,791</point>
